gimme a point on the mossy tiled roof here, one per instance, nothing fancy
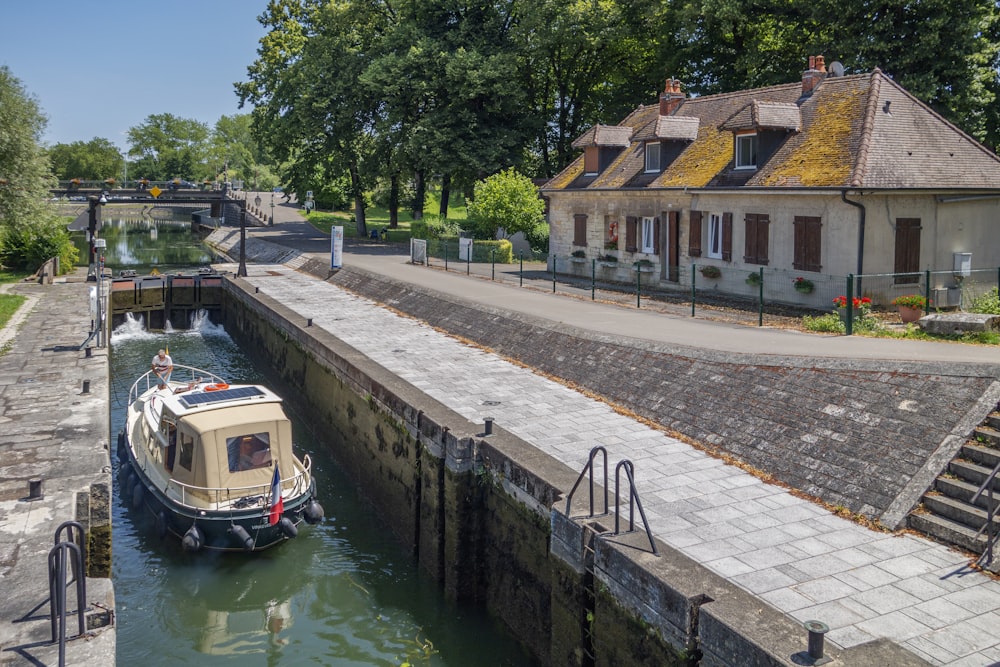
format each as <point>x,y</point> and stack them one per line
<point>853,131</point>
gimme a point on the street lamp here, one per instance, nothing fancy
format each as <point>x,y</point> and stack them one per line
<point>93,222</point>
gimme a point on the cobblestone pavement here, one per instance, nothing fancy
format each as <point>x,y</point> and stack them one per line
<point>793,554</point>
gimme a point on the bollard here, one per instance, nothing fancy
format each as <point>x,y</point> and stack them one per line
<point>816,631</point>
<point>309,322</point>
<point>489,426</point>
<point>88,353</point>
<point>86,386</point>
<point>35,489</point>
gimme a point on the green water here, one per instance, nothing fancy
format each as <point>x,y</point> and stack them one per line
<point>341,593</point>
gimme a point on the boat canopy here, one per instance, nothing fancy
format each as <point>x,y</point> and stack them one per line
<point>235,446</point>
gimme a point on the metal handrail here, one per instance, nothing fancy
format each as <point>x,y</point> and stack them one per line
<point>633,502</point>
<point>590,468</point>
<point>57,593</point>
<point>263,489</point>
<point>150,378</point>
<point>987,556</point>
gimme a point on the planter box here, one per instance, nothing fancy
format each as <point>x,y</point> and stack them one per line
<point>609,265</point>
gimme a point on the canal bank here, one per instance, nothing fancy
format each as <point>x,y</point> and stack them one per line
<point>54,468</point>
<point>486,513</point>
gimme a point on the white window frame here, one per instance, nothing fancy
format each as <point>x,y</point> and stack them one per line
<point>652,149</point>
<point>714,249</point>
<point>746,151</point>
<point>648,235</point>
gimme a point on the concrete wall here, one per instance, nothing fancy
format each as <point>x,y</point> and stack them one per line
<point>485,516</point>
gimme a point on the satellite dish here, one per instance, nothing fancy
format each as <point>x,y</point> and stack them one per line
<point>836,69</point>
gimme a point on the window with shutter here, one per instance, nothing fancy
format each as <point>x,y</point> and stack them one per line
<point>672,249</point>
<point>694,234</point>
<point>648,231</point>
<point>727,237</point>
<point>590,160</point>
<point>630,233</point>
<point>756,238</point>
<point>807,240</point>
<point>580,230</point>
<point>715,236</point>
<point>907,251</point>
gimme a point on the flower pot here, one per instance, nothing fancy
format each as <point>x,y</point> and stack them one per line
<point>804,290</point>
<point>909,314</point>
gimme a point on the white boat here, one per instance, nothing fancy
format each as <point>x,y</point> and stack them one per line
<point>214,463</point>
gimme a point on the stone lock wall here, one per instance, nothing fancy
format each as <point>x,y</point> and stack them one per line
<point>486,516</point>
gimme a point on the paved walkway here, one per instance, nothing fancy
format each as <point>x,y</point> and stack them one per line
<point>793,554</point>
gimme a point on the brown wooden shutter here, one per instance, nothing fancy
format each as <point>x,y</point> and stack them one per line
<point>656,234</point>
<point>674,246</point>
<point>694,234</point>
<point>907,250</point>
<point>580,230</point>
<point>807,240</point>
<point>727,237</point>
<point>590,156</point>
<point>630,224</point>
<point>756,238</point>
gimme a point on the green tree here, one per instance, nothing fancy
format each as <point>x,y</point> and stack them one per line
<point>166,146</point>
<point>93,160</point>
<point>30,230</point>
<point>507,200</point>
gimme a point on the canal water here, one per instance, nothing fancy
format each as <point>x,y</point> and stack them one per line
<point>341,593</point>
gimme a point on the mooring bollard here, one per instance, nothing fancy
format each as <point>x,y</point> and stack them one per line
<point>86,386</point>
<point>309,322</point>
<point>816,631</point>
<point>489,426</point>
<point>35,489</point>
<point>88,353</point>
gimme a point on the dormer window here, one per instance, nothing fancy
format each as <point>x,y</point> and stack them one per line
<point>590,160</point>
<point>746,151</point>
<point>652,156</point>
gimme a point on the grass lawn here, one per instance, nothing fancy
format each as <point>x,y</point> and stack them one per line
<point>9,303</point>
<point>378,219</point>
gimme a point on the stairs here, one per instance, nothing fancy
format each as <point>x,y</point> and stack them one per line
<point>945,513</point>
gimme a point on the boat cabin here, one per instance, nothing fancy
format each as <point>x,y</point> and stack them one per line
<point>220,446</point>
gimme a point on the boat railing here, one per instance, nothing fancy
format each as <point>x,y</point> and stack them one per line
<point>181,374</point>
<point>219,495</point>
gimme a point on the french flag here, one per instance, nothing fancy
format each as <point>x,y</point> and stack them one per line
<point>277,504</point>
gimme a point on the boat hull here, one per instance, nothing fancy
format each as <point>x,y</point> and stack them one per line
<point>218,530</point>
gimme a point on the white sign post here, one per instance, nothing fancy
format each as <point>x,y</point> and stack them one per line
<point>336,247</point>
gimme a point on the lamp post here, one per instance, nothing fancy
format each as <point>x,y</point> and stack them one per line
<point>242,271</point>
<point>93,222</point>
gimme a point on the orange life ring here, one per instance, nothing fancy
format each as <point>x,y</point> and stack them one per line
<point>216,387</point>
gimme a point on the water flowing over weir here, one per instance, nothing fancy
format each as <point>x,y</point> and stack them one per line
<point>342,592</point>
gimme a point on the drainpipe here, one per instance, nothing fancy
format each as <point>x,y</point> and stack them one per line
<point>861,236</point>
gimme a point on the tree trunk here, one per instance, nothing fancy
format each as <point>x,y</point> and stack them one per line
<point>394,201</point>
<point>418,198</point>
<point>445,195</point>
<point>359,201</point>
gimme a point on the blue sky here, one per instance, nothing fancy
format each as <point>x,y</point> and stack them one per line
<point>98,68</point>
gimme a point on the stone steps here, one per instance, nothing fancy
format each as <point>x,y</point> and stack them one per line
<point>946,512</point>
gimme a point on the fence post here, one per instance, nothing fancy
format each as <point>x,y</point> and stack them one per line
<point>638,287</point>
<point>555,258</point>
<point>593,279</point>
<point>927,292</point>
<point>446,256</point>
<point>493,261</point>
<point>760,298</point>
<point>521,272</point>
<point>849,324</point>
<point>468,259</point>
<point>694,268</point>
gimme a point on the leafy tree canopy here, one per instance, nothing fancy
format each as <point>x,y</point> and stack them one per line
<point>93,160</point>
<point>506,200</point>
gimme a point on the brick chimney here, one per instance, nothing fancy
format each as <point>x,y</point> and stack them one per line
<point>813,76</point>
<point>671,97</point>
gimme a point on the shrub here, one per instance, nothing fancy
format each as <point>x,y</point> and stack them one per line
<point>27,247</point>
<point>988,303</point>
<point>711,271</point>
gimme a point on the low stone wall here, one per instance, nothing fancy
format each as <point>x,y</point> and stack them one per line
<point>485,515</point>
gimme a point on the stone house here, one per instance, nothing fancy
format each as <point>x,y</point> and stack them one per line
<point>830,176</point>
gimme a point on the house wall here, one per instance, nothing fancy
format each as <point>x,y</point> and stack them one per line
<point>946,228</point>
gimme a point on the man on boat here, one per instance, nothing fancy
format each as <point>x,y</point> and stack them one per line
<point>163,366</point>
